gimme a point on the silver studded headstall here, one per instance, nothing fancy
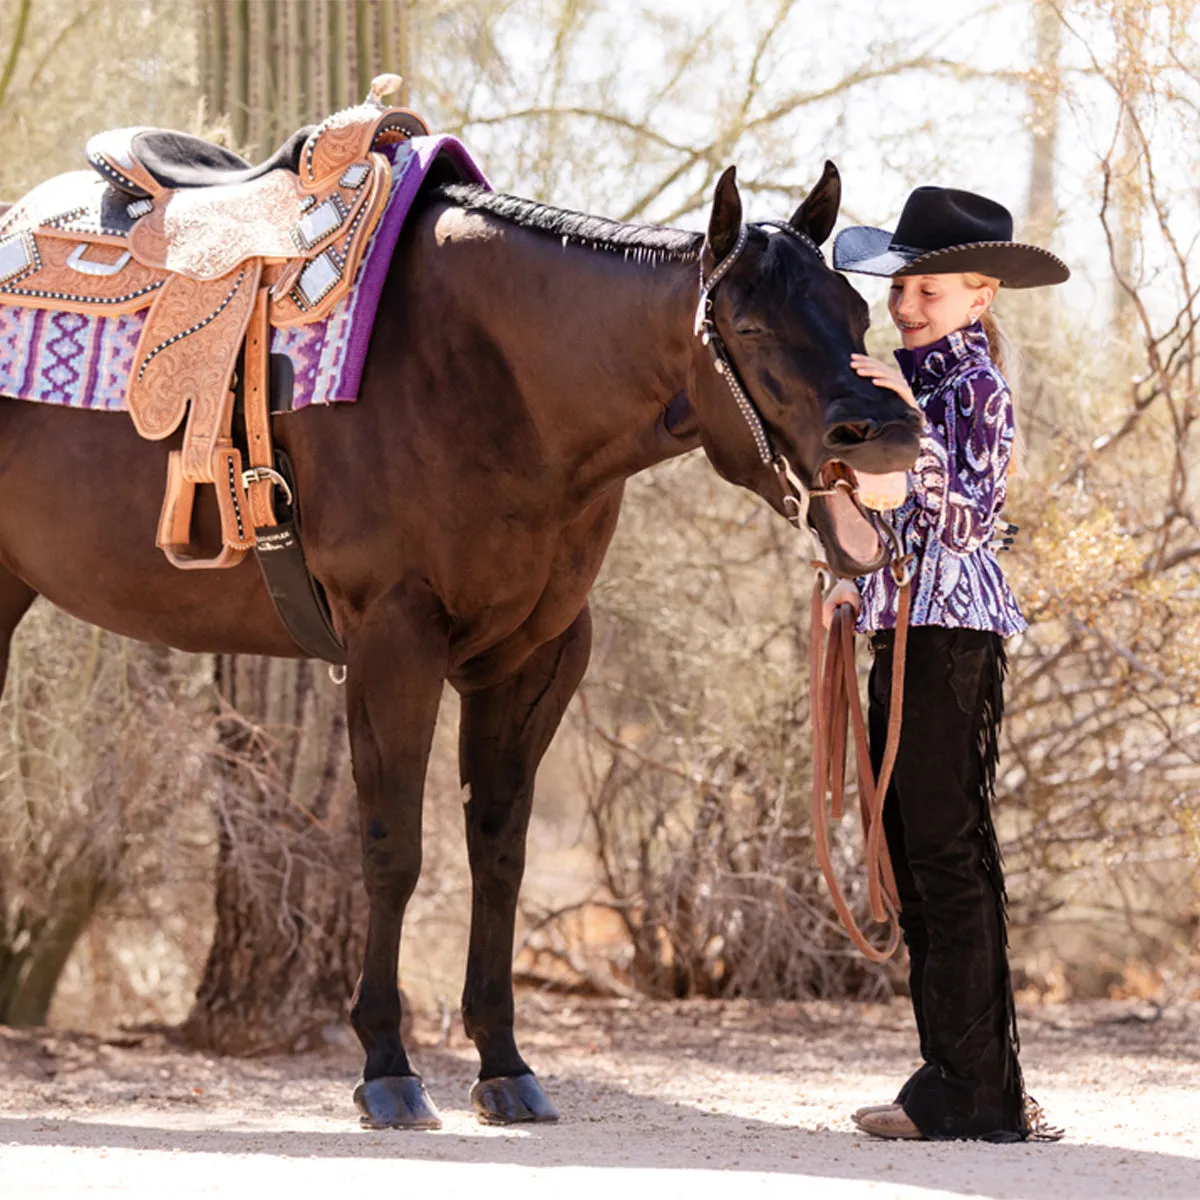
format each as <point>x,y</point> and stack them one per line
<point>795,494</point>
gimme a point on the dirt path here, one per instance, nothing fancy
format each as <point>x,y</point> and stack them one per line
<point>679,1100</point>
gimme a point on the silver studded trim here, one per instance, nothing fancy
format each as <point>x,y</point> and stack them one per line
<point>178,337</point>
<point>59,220</point>
<point>354,176</point>
<point>69,222</point>
<point>792,231</point>
<point>747,409</point>
<point>114,176</point>
<point>98,301</point>
<point>233,495</point>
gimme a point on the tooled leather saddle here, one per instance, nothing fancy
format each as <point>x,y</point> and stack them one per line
<point>218,251</point>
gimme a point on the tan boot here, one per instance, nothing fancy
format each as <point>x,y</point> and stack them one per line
<point>892,1122</point>
<point>859,1113</point>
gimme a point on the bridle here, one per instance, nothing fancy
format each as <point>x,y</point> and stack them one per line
<point>796,494</point>
<point>834,703</point>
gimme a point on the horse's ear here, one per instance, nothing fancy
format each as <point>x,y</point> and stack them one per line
<point>725,220</point>
<point>816,216</point>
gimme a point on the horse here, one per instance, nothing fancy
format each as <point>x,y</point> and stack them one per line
<point>525,362</point>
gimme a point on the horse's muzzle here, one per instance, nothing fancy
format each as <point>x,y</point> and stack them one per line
<point>868,443</point>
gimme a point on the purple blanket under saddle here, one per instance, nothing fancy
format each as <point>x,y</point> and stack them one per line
<point>84,362</point>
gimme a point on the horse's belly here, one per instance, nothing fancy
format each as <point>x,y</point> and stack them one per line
<point>79,501</point>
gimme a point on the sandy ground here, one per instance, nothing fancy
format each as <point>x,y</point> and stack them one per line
<point>685,1099</point>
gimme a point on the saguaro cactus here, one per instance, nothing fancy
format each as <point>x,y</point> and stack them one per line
<point>288,935</point>
<point>274,65</point>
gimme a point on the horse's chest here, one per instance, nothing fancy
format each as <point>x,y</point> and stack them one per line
<point>541,594</point>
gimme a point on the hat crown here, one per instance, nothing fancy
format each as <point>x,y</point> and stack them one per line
<point>937,218</point>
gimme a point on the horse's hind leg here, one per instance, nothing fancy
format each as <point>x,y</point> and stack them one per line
<point>396,668</point>
<point>15,599</point>
<point>504,732</point>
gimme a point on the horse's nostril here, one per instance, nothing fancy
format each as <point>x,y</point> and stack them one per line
<point>851,433</point>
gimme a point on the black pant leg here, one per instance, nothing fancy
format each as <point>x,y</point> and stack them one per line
<point>944,850</point>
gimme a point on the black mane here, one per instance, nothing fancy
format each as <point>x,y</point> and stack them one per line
<point>645,243</point>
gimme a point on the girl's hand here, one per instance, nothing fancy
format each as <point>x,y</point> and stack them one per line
<point>842,592</point>
<point>883,375</point>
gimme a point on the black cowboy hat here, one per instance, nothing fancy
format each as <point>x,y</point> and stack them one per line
<point>943,231</point>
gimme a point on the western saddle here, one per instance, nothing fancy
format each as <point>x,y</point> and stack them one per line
<point>218,251</point>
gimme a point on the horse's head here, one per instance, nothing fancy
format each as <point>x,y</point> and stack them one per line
<point>783,410</point>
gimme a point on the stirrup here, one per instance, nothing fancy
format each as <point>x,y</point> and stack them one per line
<point>175,520</point>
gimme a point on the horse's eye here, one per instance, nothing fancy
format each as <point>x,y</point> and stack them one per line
<point>748,330</point>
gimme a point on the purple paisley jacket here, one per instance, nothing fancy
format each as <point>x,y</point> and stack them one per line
<point>956,491</point>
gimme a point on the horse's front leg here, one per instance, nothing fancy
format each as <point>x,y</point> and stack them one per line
<point>396,667</point>
<point>504,732</point>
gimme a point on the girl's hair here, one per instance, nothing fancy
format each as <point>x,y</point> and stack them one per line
<point>1003,354</point>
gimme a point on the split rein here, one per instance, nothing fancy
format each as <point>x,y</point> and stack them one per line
<point>835,709</point>
<point>835,705</point>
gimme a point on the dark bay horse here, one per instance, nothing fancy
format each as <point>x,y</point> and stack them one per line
<point>525,362</point>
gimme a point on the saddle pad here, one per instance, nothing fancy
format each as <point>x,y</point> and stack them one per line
<point>84,362</point>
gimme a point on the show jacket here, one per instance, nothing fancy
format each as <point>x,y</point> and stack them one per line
<point>956,491</point>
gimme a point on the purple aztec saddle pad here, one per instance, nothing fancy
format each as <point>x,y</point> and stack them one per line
<point>84,362</point>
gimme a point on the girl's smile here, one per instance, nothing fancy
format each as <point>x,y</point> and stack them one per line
<point>925,308</point>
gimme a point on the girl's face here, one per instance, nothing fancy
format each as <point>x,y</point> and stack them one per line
<point>927,307</point>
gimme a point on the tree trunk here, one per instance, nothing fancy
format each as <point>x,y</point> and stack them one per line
<point>1037,404</point>
<point>33,957</point>
<point>290,908</point>
<point>1128,199</point>
<point>80,707</point>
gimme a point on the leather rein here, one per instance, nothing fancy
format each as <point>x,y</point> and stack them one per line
<point>835,705</point>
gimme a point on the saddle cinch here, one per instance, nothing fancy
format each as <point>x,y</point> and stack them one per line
<point>218,251</point>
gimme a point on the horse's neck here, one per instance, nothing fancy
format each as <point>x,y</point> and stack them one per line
<point>597,342</point>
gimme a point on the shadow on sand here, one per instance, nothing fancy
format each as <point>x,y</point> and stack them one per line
<point>628,1131</point>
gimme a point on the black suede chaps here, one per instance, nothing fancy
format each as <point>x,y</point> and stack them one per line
<point>937,817</point>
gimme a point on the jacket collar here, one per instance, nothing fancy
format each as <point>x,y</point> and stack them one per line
<point>926,365</point>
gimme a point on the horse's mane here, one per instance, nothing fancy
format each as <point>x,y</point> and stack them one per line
<point>644,243</point>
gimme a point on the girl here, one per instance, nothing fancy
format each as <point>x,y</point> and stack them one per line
<point>950,253</point>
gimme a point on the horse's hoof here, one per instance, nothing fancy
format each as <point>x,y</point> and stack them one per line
<point>510,1100</point>
<point>396,1102</point>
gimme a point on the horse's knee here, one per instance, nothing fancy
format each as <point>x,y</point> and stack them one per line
<point>390,875</point>
<point>496,842</point>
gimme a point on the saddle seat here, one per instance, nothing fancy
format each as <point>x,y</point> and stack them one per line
<point>182,160</point>
<point>218,251</point>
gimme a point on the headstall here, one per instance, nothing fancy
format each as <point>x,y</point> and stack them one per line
<point>796,494</point>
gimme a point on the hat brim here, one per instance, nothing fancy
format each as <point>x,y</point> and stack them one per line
<point>865,250</point>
